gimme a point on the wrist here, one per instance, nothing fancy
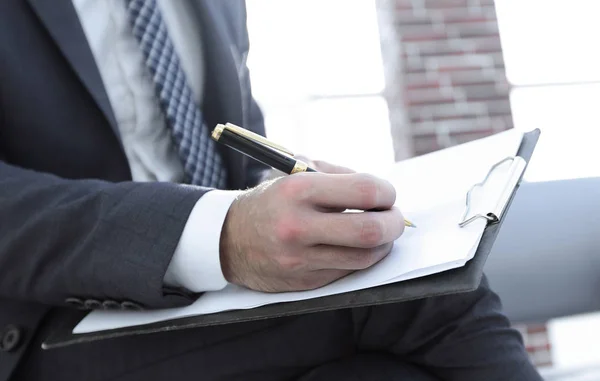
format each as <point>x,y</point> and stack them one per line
<point>228,247</point>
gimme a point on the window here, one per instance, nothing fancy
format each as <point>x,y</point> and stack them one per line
<point>551,49</point>
<point>317,74</point>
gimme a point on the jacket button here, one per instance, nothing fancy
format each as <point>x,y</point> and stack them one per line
<point>10,338</point>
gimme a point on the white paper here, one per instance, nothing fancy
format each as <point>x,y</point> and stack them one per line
<point>432,199</point>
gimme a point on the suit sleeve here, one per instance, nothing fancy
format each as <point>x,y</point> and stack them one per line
<point>63,239</point>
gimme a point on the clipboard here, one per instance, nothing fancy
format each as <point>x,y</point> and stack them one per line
<point>463,279</point>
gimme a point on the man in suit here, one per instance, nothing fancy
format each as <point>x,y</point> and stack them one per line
<point>105,108</point>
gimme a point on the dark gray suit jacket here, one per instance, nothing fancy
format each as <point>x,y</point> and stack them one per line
<point>74,230</point>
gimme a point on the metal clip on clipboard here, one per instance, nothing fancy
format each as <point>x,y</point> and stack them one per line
<point>514,176</point>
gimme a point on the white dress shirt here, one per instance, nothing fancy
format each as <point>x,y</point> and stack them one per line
<point>150,152</point>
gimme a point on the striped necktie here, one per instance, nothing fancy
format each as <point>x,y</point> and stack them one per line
<point>201,161</point>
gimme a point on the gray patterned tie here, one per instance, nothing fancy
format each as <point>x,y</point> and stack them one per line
<point>201,160</point>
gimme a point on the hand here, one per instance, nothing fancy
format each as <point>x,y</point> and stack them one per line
<point>288,234</point>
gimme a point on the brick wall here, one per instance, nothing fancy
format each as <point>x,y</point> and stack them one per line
<point>444,71</point>
<point>537,343</point>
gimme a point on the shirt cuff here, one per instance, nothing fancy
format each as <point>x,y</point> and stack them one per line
<point>196,263</point>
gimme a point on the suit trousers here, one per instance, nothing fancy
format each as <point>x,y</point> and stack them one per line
<point>454,337</point>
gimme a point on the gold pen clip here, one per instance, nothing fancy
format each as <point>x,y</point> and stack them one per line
<point>216,134</point>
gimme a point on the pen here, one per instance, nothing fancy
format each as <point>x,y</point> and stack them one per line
<point>264,151</point>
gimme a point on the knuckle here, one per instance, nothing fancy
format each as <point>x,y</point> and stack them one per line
<point>371,232</point>
<point>367,259</point>
<point>289,229</point>
<point>373,255</point>
<point>290,263</point>
<point>369,189</point>
<point>294,187</point>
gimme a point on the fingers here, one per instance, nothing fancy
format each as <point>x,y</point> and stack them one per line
<point>325,167</point>
<point>349,191</point>
<point>359,230</point>
<point>347,258</point>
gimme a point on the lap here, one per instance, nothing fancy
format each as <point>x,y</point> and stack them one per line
<point>276,349</point>
<point>366,367</point>
<point>457,337</point>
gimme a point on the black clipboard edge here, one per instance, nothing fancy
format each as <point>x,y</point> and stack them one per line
<point>463,279</point>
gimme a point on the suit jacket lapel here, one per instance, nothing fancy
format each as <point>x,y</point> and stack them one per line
<point>222,81</point>
<point>223,97</point>
<point>62,23</point>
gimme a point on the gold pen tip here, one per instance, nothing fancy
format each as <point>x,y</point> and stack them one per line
<point>409,224</point>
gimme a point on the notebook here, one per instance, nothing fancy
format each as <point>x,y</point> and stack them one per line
<point>431,191</point>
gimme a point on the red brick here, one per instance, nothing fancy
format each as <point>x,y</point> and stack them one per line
<point>410,79</point>
<point>473,29</point>
<point>455,14</point>
<point>442,4</point>
<point>416,71</point>
<point>499,107</point>
<point>458,68</point>
<point>475,77</point>
<point>455,127</point>
<point>415,64</point>
<point>439,48</point>
<point>427,96</point>
<point>423,145</point>
<point>423,35</point>
<point>484,92</point>
<point>443,111</point>
<point>459,116</point>
<point>446,43</point>
<point>478,32</point>
<point>463,62</point>
<point>403,4</point>
<point>425,84</point>
<point>408,18</point>
<point>486,45</point>
<point>464,17</point>
<point>464,137</point>
<point>532,348</point>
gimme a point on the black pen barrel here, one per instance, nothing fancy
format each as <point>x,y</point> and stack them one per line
<point>258,152</point>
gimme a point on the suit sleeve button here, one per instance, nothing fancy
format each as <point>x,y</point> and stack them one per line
<point>131,306</point>
<point>75,302</point>
<point>111,305</point>
<point>92,304</point>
